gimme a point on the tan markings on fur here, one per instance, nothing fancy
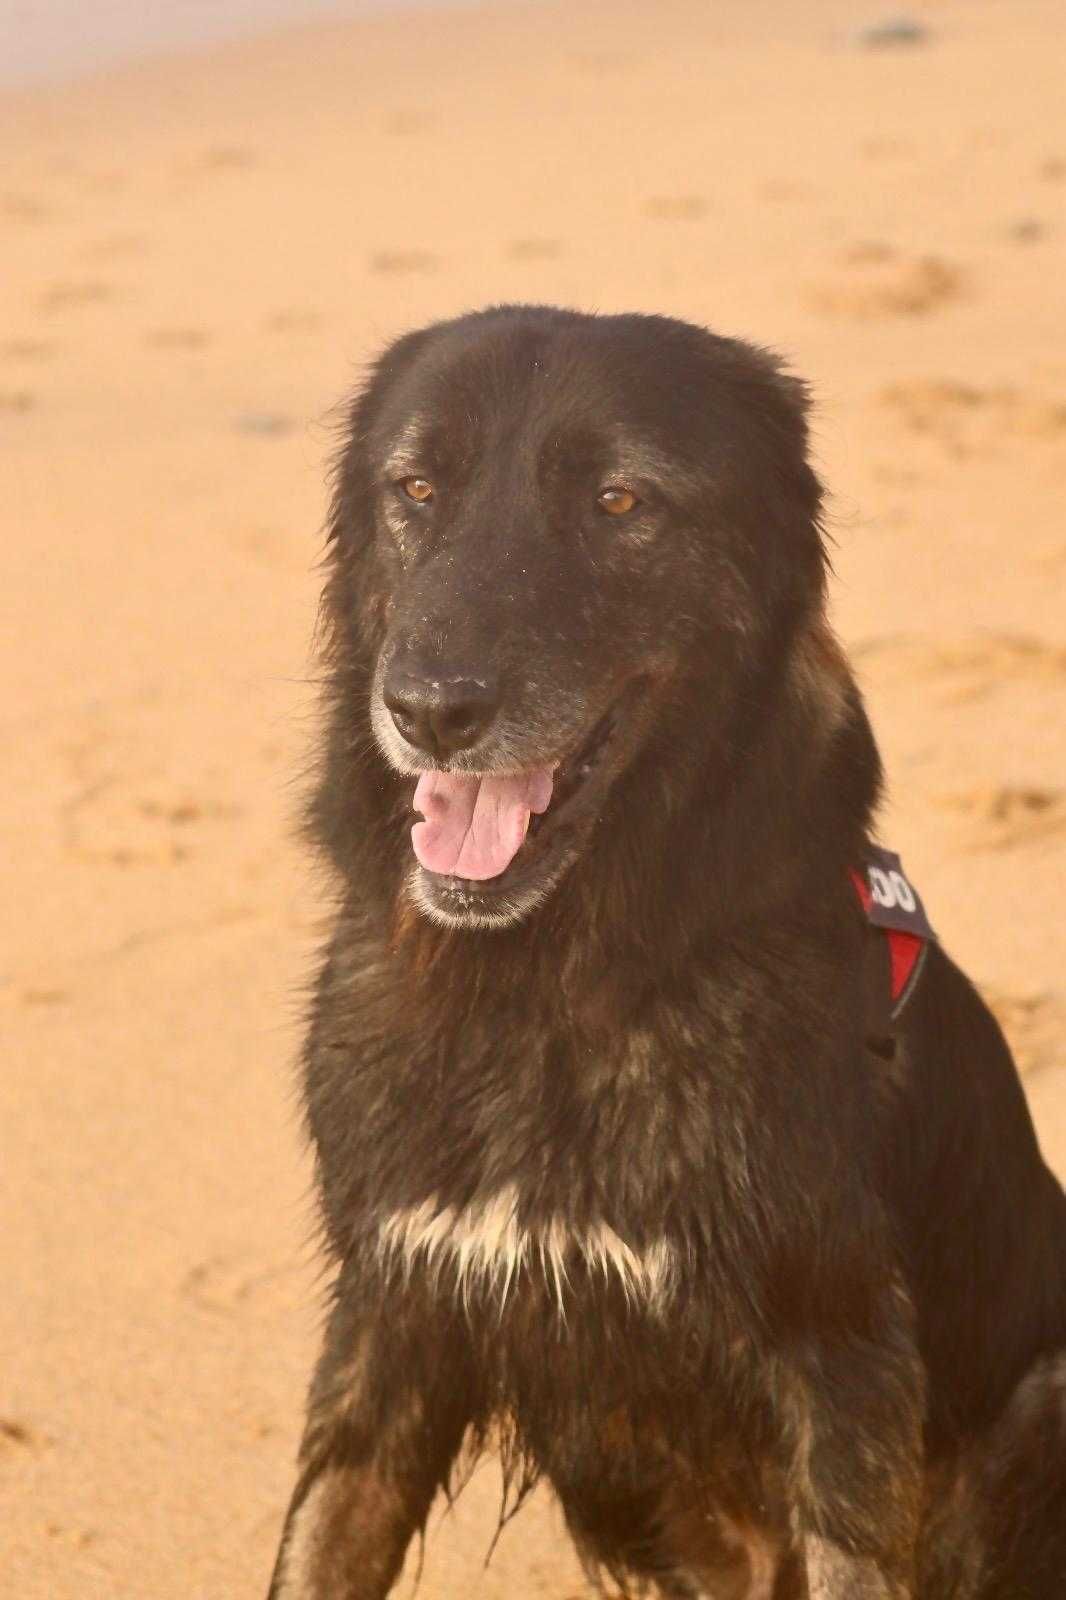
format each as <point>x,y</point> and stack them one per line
<point>488,1248</point>
<point>834,1575</point>
<point>719,1551</point>
<point>300,1560</point>
<point>795,1409</point>
<point>820,674</point>
<point>762,1553</point>
<point>726,1557</point>
<point>403,458</point>
<point>337,1399</point>
<point>348,1538</point>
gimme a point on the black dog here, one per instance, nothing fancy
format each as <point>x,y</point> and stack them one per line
<point>628,1162</point>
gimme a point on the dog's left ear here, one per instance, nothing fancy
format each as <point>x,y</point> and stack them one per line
<point>783,495</point>
<point>806,484</point>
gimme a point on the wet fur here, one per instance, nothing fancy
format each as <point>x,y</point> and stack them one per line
<point>637,1184</point>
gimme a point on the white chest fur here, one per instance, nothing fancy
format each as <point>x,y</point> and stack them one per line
<point>484,1247</point>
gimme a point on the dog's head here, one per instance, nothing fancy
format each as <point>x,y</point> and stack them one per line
<point>560,540</point>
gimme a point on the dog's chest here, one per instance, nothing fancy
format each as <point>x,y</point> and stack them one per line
<point>566,1169</point>
<point>571,1152</point>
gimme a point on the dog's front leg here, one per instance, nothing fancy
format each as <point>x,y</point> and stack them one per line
<point>857,1411</point>
<point>388,1408</point>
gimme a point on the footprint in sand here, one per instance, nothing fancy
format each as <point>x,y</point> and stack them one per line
<point>116,245</point>
<point>1034,1025</point>
<point>966,420</point>
<point>782,189</point>
<point>293,320</point>
<point>68,296</point>
<point>1052,557</point>
<point>39,996</point>
<point>228,1284</point>
<point>1026,230</point>
<point>1007,816</point>
<point>881,148</point>
<point>987,138</point>
<point>218,162</point>
<point>892,33</point>
<point>109,824</point>
<point>601,62</point>
<point>875,281</point>
<point>271,546</point>
<point>865,251</point>
<point>972,666</point>
<point>223,158</point>
<point>105,182</point>
<point>23,208</point>
<point>403,261</point>
<point>264,424</point>
<point>676,207</point>
<point>533,249</point>
<point>26,349</point>
<point>18,1435</point>
<point>80,1538</point>
<point>178,338</point>
<point>406,123</point>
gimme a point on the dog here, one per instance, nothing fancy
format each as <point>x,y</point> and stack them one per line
<point>633,1163</point>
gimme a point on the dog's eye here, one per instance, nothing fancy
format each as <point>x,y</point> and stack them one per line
<point>418,489</point>
<point>617,502</point>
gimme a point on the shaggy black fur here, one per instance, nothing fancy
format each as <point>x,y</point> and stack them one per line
<point>609,1168</point>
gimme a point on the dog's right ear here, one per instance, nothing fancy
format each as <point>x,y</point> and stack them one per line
<point>352,606</point>
<point>352,486</point>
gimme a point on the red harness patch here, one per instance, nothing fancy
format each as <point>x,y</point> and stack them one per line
<point>892,905</point>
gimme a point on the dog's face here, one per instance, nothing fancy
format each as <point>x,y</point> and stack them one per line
<point>575,531</point>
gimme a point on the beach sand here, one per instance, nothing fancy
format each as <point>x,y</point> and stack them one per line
<point>199,253</point>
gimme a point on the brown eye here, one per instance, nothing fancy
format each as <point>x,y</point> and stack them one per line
<point>616,502</point>
<point>418,489</point>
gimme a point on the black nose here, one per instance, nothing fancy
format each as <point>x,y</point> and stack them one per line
<point>439,714</point>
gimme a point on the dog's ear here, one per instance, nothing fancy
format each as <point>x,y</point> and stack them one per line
<point>783,494</point>
<point>803,481</point>
<point>351,610</point>
<point>351,619</point>
<point>349,504</point>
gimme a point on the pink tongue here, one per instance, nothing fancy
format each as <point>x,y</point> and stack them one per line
<point>474,826</point>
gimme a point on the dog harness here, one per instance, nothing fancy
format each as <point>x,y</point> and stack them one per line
<point>900,931</point>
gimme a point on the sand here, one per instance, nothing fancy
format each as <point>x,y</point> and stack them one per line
<point>198,254</point>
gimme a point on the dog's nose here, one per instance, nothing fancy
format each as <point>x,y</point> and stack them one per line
<point>440,715</point>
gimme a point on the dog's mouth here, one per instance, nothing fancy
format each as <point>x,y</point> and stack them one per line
<point>484,837</point>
